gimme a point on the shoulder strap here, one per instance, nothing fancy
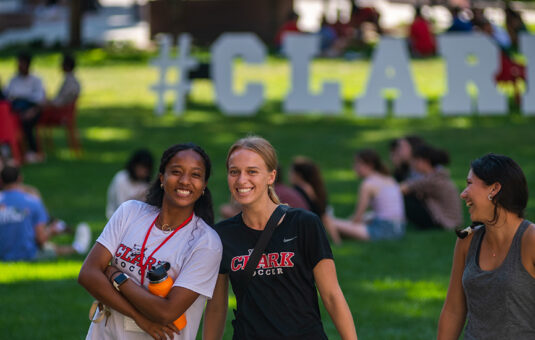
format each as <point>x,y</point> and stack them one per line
<point>262,242</point>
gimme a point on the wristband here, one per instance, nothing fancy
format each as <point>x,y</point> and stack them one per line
<point>119,280</point>
<point>111,276</point>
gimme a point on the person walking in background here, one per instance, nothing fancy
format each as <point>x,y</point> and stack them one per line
<point>378,192</point>
<point>24,235</point>
<point>289,26</point>
<point>278,299</point>
<point>514,24</point>
<point>432,200</point>
<point>421,39</point>
<point>172,226</point>
<point>26,94</point>
<point>131,183</point>
<point>492,284</point>
<point>459,21</point>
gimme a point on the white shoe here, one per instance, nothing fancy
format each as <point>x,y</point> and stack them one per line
<point>82,238</point>
<point>32,158</point>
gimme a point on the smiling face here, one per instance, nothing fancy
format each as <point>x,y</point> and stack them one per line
<point>248,177</point>
<point>476,196</point>
<point>184,179</point>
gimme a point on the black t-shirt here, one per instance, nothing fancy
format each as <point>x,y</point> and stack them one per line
<point>281,301</point>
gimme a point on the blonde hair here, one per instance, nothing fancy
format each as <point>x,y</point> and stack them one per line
<point>265,150</point>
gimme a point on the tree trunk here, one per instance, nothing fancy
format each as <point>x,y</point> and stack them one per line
<point>75,24</point>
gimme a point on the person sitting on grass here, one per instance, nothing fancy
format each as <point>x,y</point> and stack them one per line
<point>401,155</point>
<point>306,179</point>
<point>431,200</point>
<point>380,192</point>
<point>24,235</point>
<point>132,182</point>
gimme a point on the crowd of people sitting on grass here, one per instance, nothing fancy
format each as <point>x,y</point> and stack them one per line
<point>24,104</point>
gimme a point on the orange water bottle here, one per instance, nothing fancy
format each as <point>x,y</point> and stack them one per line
<point>160,284</point>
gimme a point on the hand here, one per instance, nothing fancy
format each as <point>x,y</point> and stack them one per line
<point>157,331</point>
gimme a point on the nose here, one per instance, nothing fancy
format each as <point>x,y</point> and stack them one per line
<point>463,194</point>
<point>183,179</point>
<point>242,178</point>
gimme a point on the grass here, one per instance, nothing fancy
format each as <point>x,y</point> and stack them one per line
<point>395,289</point>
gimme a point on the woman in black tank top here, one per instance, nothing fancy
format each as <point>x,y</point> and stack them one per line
<point>492,284</point>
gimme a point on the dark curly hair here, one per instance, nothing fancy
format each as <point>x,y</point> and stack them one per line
<point>203,206</point>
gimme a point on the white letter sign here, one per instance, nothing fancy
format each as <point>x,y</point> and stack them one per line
<point>300,49</point>
<point>227,47</point>
<point>390,69</point>
<point>456,48</point>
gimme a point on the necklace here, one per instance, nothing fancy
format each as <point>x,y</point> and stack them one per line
<point>166,228</point>
<point>142,254</point>
<point>493,252</point>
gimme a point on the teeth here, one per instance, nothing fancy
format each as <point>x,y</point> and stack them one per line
<point>244,190</point>
<point>183,192</point>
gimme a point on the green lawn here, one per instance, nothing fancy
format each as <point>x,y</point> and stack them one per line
<point>395,289</point>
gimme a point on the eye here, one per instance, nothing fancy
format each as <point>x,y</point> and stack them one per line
<point>233,172</point>
<point>252,172</point>
<point>196,175</point>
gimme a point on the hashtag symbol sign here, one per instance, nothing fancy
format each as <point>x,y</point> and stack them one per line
<point>183,63</point>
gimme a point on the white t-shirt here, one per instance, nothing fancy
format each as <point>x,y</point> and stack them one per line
<point>27,87</point>
<point>194,253</point>
<point>122,189</point>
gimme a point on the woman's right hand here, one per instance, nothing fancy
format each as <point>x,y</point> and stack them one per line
<point>156,330</point>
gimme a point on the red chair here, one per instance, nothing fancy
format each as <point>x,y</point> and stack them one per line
<point>10,130</point>
<point>65,116</point>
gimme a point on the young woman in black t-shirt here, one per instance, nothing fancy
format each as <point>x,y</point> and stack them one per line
<point>280,301</point>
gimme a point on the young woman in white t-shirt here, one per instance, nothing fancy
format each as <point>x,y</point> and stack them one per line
<point>381,195</point>
<point>172,226</point>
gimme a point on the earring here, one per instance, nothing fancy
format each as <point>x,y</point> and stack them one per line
<point>490,197</point>
<point>203,192</point>
<point>161,185</point>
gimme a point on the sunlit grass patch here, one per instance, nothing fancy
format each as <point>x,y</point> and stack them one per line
<point>39,271</point>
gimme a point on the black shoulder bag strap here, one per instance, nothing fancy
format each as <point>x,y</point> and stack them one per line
<point>254,258</point>
<point>262,242</point>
